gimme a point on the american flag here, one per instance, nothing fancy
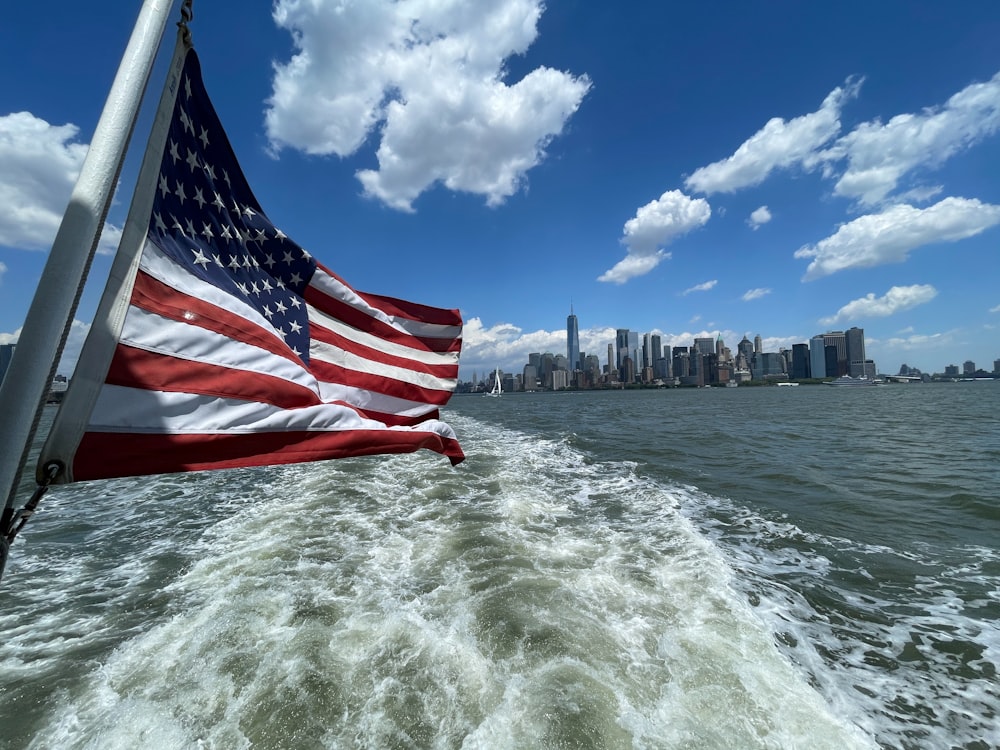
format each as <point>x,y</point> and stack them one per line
<point>240,349</point>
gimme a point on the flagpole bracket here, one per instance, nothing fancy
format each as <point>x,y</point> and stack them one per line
<point>14,521</point>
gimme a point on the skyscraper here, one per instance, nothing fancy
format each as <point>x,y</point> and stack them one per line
<point>704,345</point>
<point>621,346</point>
<point>817,357</point>
<point>800,361</point>
<point>572,341</point>
<point>855,344</point>
<point>838,340</point>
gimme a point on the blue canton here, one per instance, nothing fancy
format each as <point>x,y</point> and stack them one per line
<point>206,218</point>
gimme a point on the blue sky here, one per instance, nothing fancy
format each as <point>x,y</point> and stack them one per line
<point>779,168</point>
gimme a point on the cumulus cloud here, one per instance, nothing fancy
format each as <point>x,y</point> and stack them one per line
<point>898,298</point>
<point>759,217</point>
<point>879,155</point>
<point>10,338</point>
<point>753,294</point>
<point>889,236</point>
<point>39,165</point>
<point>703,287</point>
<point>780,144</point>
<point>3,270</point>
<point>654,225</point>
<point>995,309</point>
<point>920,342</point>
<point>427,80</point>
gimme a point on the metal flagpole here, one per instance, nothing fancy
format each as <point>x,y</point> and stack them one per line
<point>46,327</point>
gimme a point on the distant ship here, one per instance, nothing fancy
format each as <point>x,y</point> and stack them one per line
<point>848,380</point>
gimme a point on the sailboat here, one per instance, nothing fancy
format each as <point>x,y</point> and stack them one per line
<point>497,386</point>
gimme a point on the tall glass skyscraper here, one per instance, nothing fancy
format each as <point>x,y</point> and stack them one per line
<point>572,341</point>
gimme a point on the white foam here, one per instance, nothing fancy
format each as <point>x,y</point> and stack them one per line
<point>528,596</point>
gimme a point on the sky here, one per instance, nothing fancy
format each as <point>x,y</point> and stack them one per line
<point>778,168</point>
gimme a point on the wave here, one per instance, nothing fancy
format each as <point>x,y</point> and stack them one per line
<point>535,596</point>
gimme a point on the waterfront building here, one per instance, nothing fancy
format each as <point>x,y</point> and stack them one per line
<point>612,369</point>
<point>951,371</point>
<point>758,344</point>
<point>745,347</point>
<point>817,357</point>
<point>572,340</point>
<point>769,366</point>
<point>800,361</point>
<point>855,347</point>
<point>968,368</point>
<point>838,341</point>
<point>560,380</point>
<point>704,346</point>
<point>529,378</point>
<point>621,346</point>
<point>996,366</point>
<point>628,370</point>
<point>681,362</point>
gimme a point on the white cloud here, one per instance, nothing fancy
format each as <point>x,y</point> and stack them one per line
<point>10,338</point>
<point>427,78</point>
<point>3,270</point>
<point>759,217</point>
<point>703,287</point>
<point>654,225</point>
<point>879,155</point>
<point>919,342</point>
<point>753,294</point>
<point>39,165</point>
<point>995,309</point>
<point>888,237</point>
<point>898,298</point>
<point>780,144</point>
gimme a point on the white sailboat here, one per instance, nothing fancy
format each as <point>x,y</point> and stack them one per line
<point>497,387</point>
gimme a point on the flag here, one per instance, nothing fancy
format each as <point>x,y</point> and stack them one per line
<point>238,348</point>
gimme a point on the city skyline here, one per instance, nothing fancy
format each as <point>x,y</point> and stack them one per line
<point>572,152</point>
<point>558,344</point>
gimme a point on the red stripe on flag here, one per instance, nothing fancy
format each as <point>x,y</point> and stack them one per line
<point>403,308</point>
<point>364,322</point>
<point>154,296</point>
<point>138,368</point>
<point>319,333</point>
<point>332,373</point>
<point>106,454</point>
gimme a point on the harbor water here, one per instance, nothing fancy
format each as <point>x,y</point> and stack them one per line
<point>805,567</point>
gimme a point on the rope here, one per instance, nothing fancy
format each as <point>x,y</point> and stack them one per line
<point>187,13</point>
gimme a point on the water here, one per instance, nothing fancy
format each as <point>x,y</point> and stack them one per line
<point>714,568</point>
